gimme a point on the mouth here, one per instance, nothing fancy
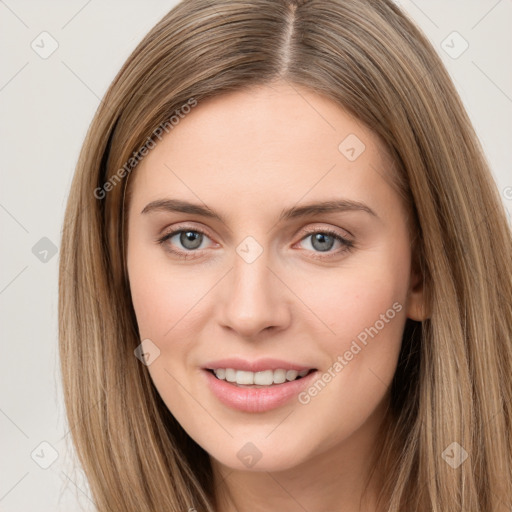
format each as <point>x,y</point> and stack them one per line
<point>262,379</point>
<point>260,391</point>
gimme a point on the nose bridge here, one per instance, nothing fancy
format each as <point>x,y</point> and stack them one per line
<point>254,299</point>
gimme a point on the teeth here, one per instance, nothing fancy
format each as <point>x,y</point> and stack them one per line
<point>230,375</point>
<point>263,378</point>
<point>292,374</point>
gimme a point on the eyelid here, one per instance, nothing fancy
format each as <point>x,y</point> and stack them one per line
<point>316,228</point>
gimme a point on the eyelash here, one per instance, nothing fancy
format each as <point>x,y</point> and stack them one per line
<point>348,245</point>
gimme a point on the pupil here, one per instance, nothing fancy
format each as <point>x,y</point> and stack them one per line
<point>190,239</point>
<point>321,238</point>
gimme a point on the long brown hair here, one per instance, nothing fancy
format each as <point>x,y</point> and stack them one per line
<point>453,381</point>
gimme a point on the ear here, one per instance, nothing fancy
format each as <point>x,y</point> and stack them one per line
<point>416,298</point>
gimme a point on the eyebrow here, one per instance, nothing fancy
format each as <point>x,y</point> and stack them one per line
<point>310,209</point>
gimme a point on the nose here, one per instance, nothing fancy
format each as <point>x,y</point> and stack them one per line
<point>254,298</point>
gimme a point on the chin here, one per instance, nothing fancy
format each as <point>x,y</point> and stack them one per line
<point>259,456</point>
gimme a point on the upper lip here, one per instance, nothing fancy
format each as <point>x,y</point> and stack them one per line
<point>255,366</point>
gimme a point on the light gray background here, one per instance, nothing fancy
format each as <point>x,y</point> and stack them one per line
<point>46,105</point>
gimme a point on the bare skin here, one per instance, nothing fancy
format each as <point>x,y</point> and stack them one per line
<point>247,156</point>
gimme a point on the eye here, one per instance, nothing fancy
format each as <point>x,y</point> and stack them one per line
<point>190,241</point>
<point>323,240</point>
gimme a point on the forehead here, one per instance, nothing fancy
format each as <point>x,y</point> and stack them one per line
<point>268,144</point>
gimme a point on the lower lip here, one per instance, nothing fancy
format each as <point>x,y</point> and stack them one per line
<point>256,399</point>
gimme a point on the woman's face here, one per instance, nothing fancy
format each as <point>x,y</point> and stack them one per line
<point>255,274</point>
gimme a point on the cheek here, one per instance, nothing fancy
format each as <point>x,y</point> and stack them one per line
<point>166,301</point>
<point>366,319</point>
<point>156,302</point>
<point>355,297</point>
<point>162,294</point>
<point>364,305</point>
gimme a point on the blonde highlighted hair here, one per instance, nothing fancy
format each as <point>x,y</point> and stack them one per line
<point>453,381</point>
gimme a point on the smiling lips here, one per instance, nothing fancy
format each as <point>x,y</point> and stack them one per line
<point>256,386</point>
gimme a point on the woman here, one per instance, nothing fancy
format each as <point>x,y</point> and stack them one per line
<point>285,272</point>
